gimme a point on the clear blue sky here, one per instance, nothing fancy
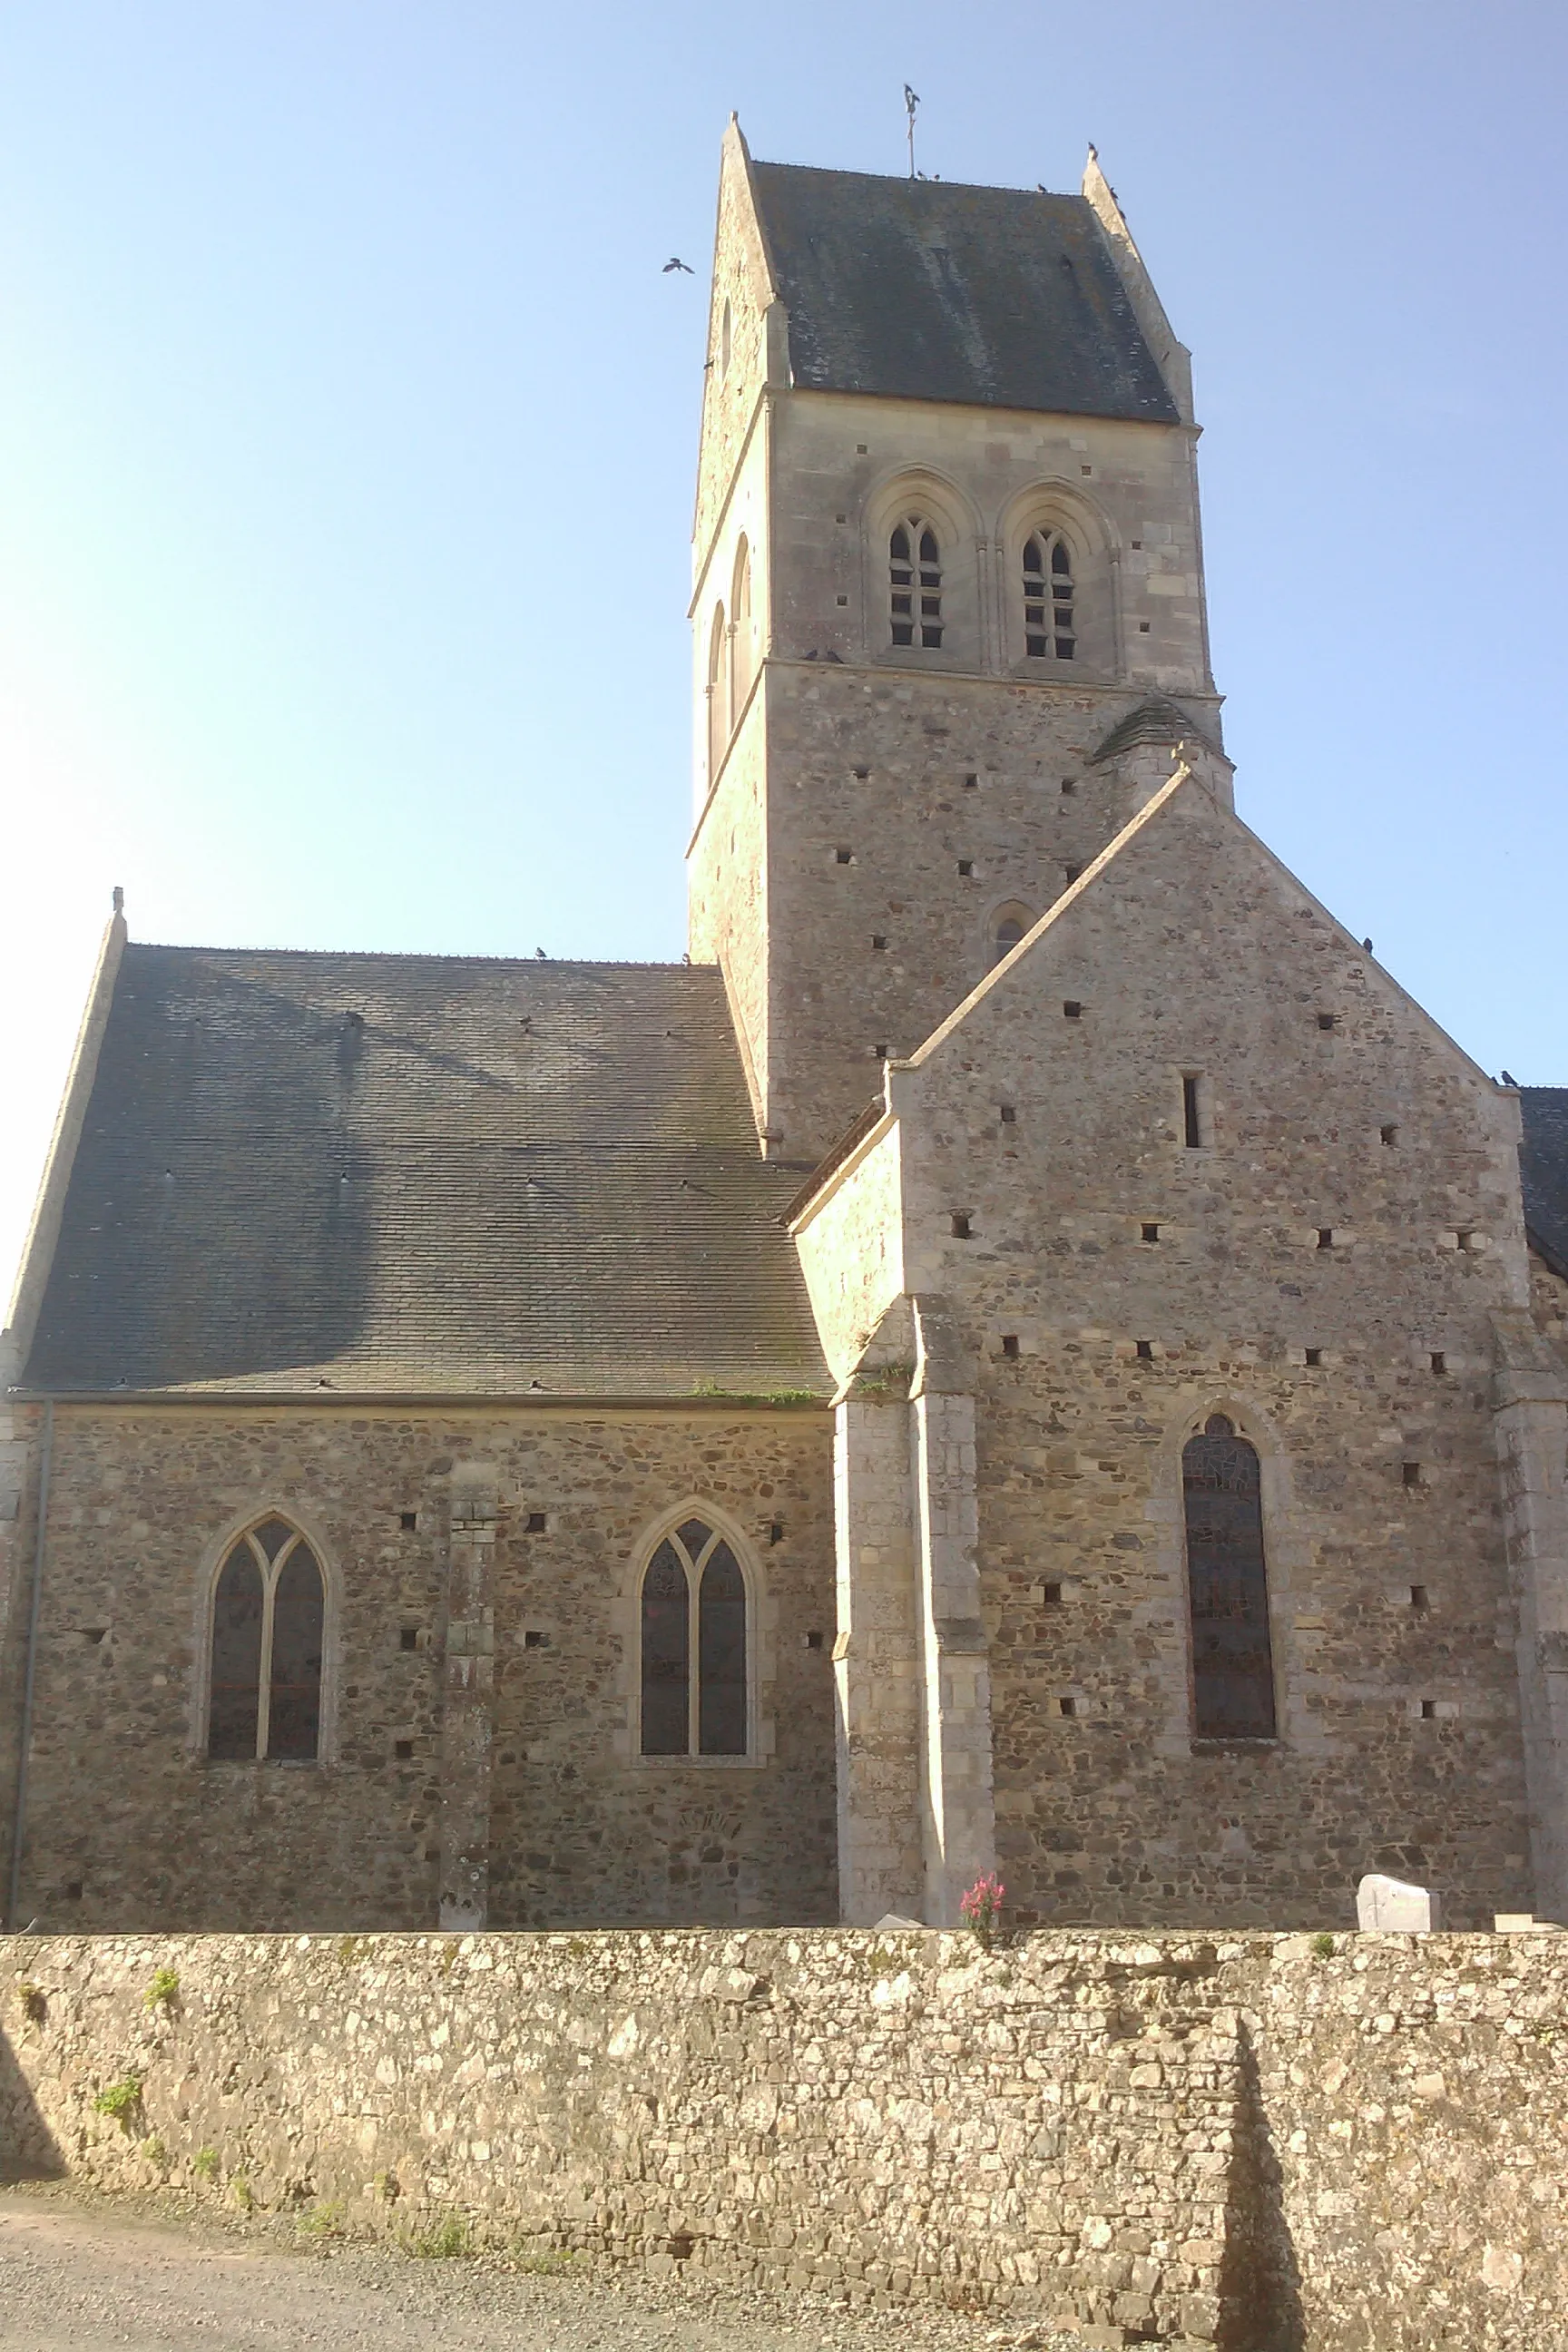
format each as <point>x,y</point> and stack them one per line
<point>347,425</point>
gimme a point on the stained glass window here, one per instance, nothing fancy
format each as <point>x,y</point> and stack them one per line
<point>268,1617</point>
<point>694,1610</point>
<point>1233,1663</point>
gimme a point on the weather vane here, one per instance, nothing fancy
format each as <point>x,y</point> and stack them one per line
<point>910,102</point>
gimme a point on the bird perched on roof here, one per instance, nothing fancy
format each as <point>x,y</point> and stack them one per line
<point>1366,947</point>
<point>675,262</point>
<point>1508,1079</point>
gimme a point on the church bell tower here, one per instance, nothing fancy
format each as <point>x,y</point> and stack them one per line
<point>948,615</point>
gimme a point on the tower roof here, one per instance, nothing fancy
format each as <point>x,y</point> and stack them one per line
<point>927,289</point>
<point>1543,1169</point>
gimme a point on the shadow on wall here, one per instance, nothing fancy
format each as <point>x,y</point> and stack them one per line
<point>28,2150</point>
<point>1260,2279</point>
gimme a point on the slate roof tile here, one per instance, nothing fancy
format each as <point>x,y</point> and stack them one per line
<point>414,1173</point>
<point>1544,1170</point>
<point>929,289</point>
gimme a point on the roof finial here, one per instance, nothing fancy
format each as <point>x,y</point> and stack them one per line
<point>119,899</point>
<point>910,101</point>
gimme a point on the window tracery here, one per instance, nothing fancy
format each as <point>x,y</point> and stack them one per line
<point>914,566</point>
<point>264,1693</point>
<point>695,1644</point>
<point>1049,629</point>
<point>1227,1583</point>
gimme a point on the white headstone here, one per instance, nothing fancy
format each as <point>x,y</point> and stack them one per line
<point>1387,1907</point>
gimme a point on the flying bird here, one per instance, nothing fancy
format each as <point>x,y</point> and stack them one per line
<point>675,262</point>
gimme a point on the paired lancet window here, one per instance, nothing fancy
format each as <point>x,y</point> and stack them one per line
<point>1049,631</point>
<point>914,568</point>
<point>268,1616</point>
<point>1227,1583</point>
<point>694,1647</point>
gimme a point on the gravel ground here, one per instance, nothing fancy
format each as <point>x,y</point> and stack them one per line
<point>79,2273</point>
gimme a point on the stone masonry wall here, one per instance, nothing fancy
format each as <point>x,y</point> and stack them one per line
<point>1115,1287</point>
<point>1392,1621</point>
<point>129,1825</point>
<point>1307,2143</point>
<point>910,824</point>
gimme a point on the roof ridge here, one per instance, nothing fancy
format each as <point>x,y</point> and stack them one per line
<point>902,179</point>
<point>424,955</point>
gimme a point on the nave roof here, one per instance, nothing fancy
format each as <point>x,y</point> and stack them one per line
<point>389,1174</point>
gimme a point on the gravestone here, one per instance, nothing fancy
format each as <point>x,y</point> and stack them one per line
<point>1388,1907</point>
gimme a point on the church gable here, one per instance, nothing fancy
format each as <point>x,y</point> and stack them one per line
<point>1188,1041</point>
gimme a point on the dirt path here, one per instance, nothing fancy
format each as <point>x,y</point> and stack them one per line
<point>83,2275</point>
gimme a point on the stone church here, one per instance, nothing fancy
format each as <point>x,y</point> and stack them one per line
<point>1026,1349</point>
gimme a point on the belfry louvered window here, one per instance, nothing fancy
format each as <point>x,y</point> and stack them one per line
<point>694,1647</point>
<point>914,566</point>
<point>1227,1584</point>
<point>268,1616</point>
<point>1048,627</point>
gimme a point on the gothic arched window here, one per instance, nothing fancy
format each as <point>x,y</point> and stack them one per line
<point>718,693</point>
<point>914,567</point>
<point>1048,627</point>
<point>694,1641</point>
<point>1227,1583</point>
<point>1008,928</point>
<point>269,1615</point>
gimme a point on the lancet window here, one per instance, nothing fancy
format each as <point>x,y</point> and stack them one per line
<point>1007,930</point>
<point>269,1618</point>
<point>914,564</point>
<point>695,1641</point>
<point>718,693</point>
<point>741,629</point>
<point>1049,630</point>
<point>1227,1584</point>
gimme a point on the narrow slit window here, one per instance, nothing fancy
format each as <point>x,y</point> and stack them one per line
<point>914,567</point>
<point>1233,1660</point>
<point>1050,633</point>
<point>694,1633</point>
<point>264,1697</point>
<point>1191,1126</point>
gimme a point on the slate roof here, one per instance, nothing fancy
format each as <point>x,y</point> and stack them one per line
<point>927,289</point>
<point>1159,721</point>
<point>416,1173</point>
<point>1544,1170</point>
